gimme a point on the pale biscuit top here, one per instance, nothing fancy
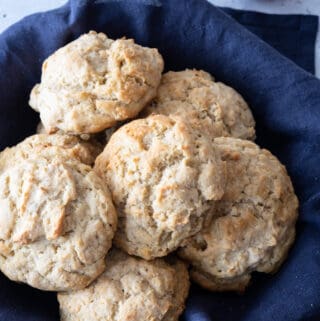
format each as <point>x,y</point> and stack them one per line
<point>256,220</point>
<point>93,82</point>
<point>49,146</point>
<point>130,289</point>
<point>209,105</point>
<point>163,177</point>
<point>57,223</point>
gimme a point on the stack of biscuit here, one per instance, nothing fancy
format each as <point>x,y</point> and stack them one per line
<point>114,213</point>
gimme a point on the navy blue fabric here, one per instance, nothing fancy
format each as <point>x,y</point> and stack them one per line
<point>292,35</point>
<point>284,98</point>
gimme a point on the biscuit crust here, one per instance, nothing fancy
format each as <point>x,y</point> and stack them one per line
<point>130,289</point>
<point>49,146</point>
<point>164,177</point>
<point>57,221</point>
<point>93,82</point>
<point>194,95</point>
<point>255,220</point>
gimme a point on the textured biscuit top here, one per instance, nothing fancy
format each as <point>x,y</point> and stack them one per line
<point>194,95</point>
<point>163,177</point>
<point>48,146</point>
<point>256,220</point>
<point>57,223</point>
<point>130,289</point>
<point>93,82</point>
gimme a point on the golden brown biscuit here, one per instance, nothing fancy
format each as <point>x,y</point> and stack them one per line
<point>211,106</point>
<point>57,222</point>
<point>164,177</point>
<point>256,220</point>
<point>130,289</point>
<point>93,82</point>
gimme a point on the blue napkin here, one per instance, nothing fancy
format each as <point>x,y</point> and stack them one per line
<point>284,98</point>
<point>292,35</point>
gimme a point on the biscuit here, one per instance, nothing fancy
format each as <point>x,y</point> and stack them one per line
<point>93,82</point>
<point>57,223</point>
<point>163,177</point>
<point>48,146</point>
<point>130,289</point>
<point>254,224</point>
<point>194,95</point>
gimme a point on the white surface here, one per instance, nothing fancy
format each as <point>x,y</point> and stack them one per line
<point>13,10</point>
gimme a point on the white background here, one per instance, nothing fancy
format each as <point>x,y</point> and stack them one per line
<point>13,10</point>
